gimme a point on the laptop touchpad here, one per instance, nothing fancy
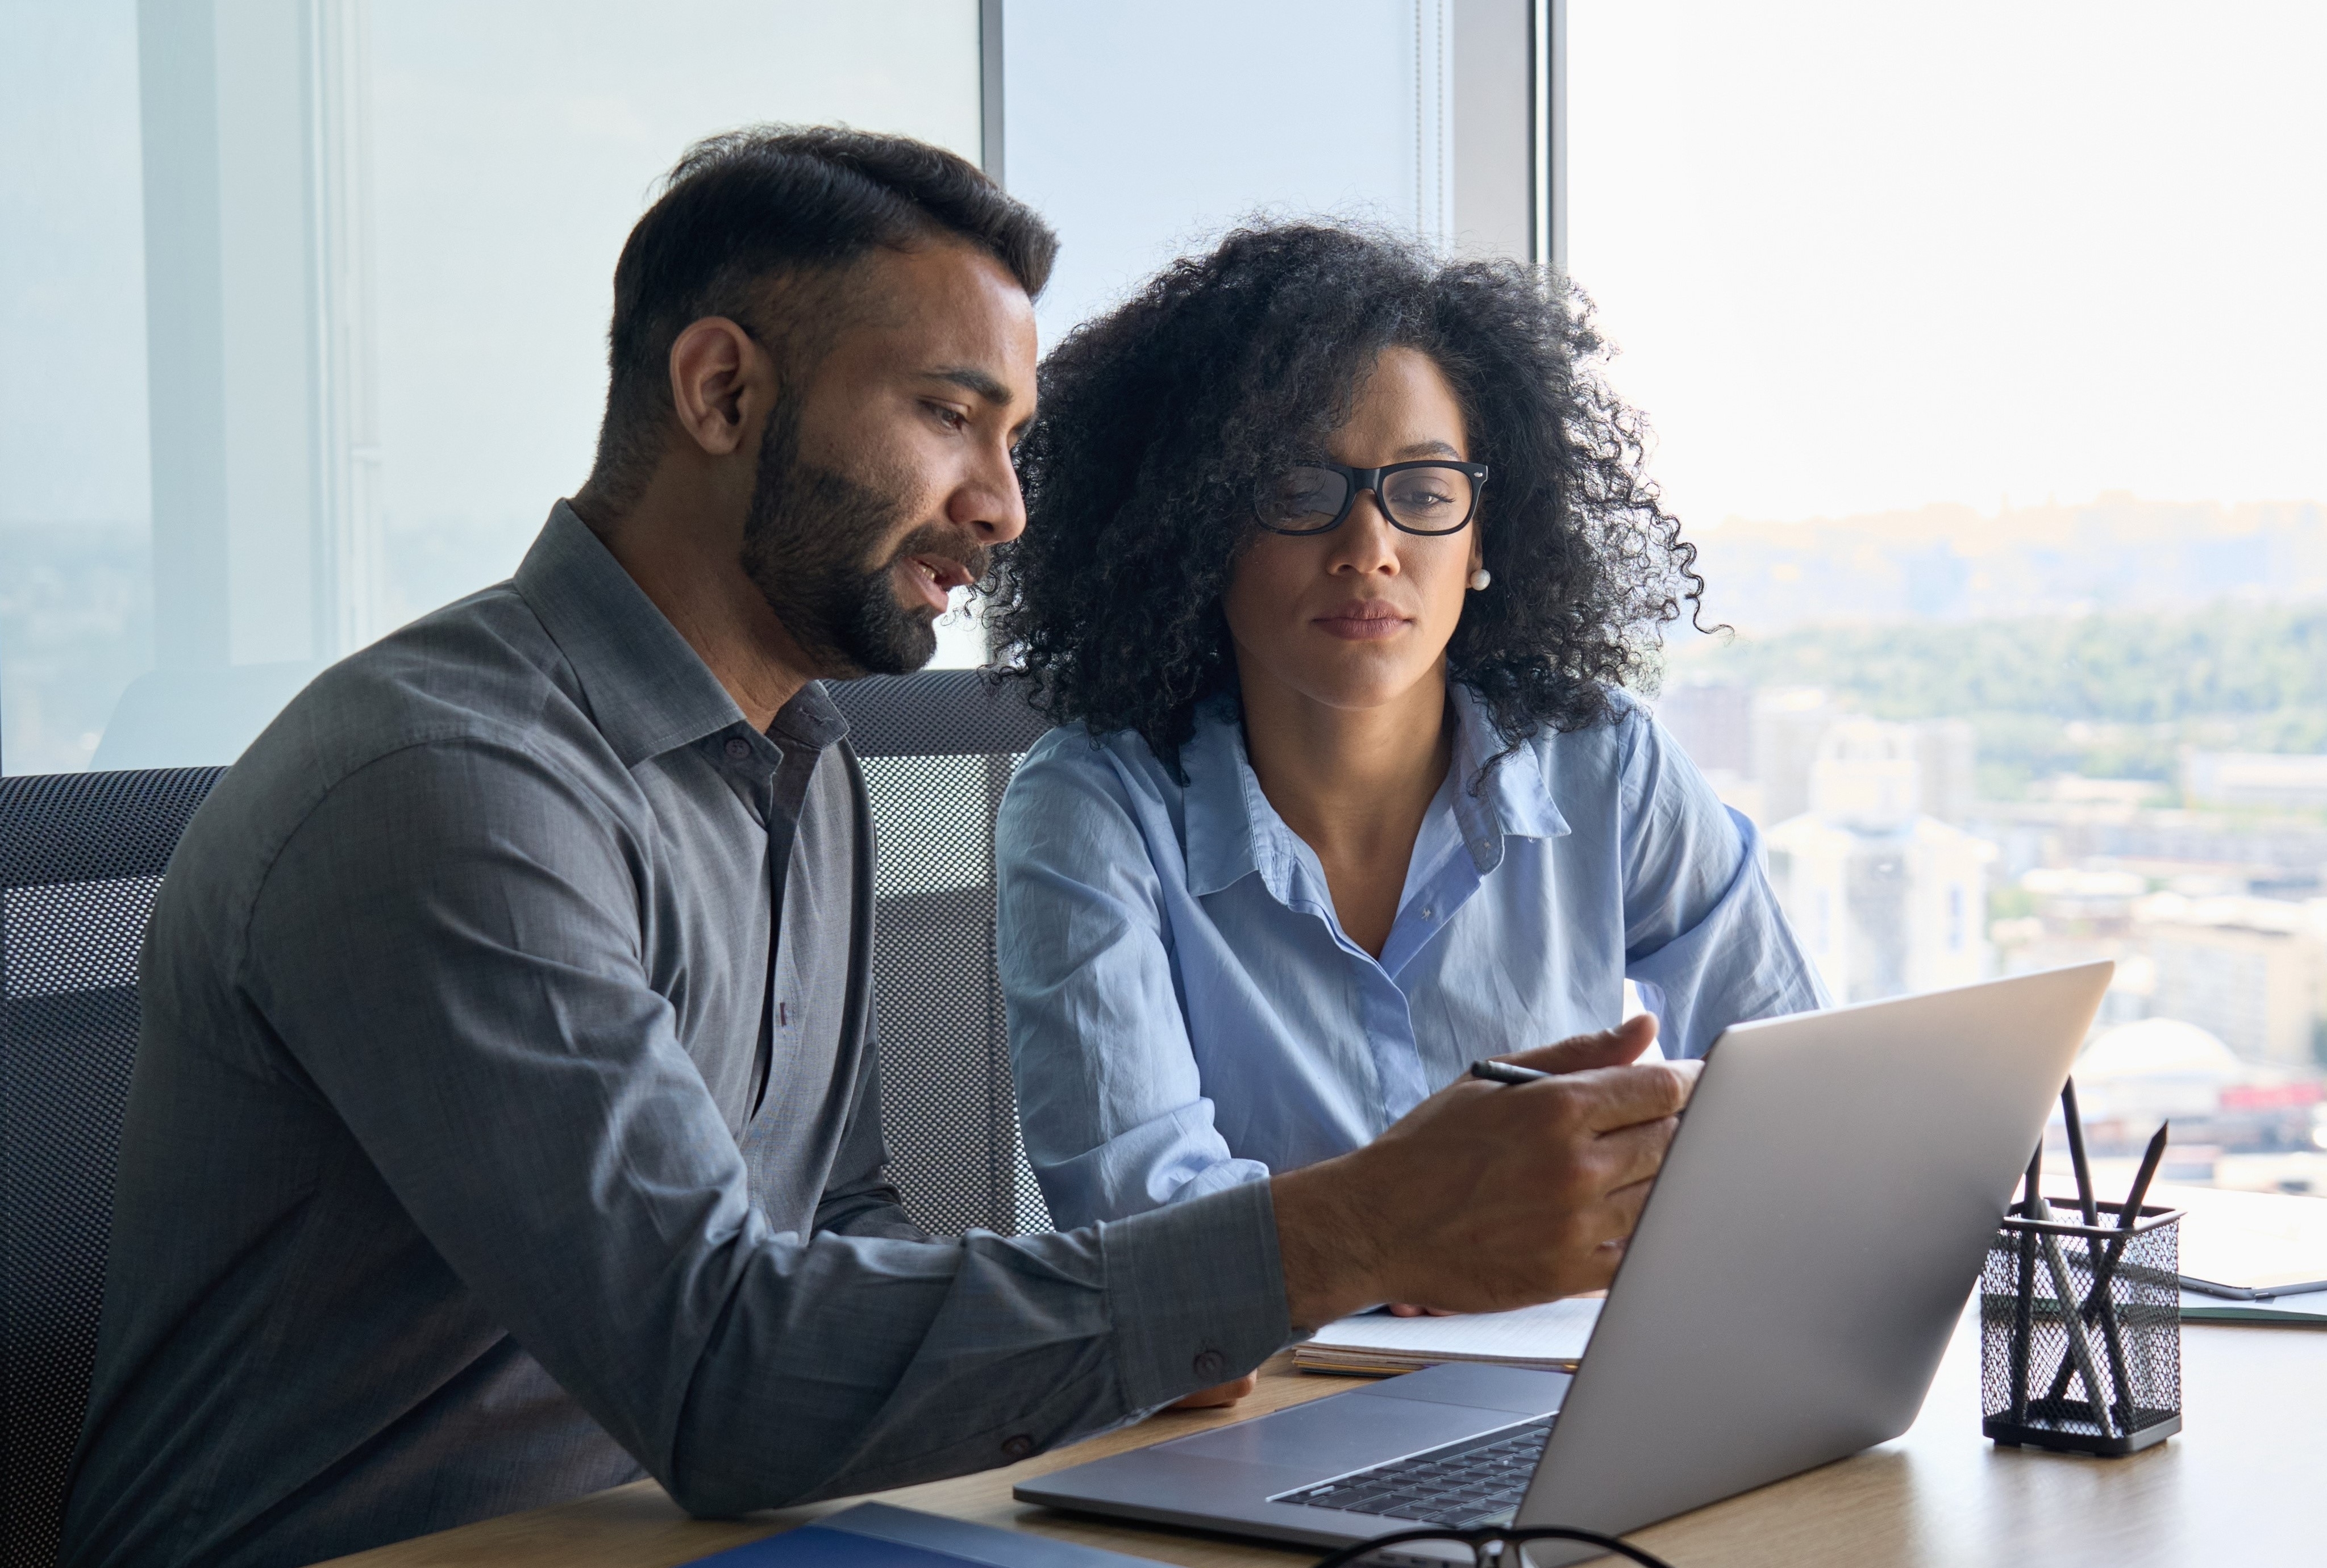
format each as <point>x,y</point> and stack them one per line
<point>1328,1436</point>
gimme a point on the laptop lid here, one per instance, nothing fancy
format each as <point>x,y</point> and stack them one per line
<point>1810,1244</point>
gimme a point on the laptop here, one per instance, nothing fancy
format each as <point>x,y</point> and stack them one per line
<point>1803,1258</point>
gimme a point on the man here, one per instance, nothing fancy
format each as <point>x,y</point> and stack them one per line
<point>505,1123</point>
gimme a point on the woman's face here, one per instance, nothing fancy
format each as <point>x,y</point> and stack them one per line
<point>1357,617</point>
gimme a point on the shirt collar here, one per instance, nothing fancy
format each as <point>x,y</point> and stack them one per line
<point>1225,806</point>
<point>811,720</point>
<point>1232,831</point>
<point>647,690</point>
<point>1515,802</point>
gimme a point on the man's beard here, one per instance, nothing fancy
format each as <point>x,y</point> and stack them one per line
<point>808,537</point>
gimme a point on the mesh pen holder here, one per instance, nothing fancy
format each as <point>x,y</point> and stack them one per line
<point>2064,1306</point>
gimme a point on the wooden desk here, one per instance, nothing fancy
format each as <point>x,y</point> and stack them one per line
<point>2242,1484</point>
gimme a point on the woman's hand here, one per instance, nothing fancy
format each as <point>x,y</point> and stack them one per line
<point>1409,1309</point>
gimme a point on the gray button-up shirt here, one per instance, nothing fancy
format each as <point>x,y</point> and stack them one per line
<point>480,1152</point>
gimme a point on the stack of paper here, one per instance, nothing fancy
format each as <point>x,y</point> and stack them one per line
<point>2245,1244</point>
<point>2251,1257</point>
<point>1374,1344</point>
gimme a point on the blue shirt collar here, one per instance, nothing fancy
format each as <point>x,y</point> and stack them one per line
<point>1515,802</point>
<point>1232,831</point>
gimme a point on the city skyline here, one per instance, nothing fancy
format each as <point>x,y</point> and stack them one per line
<point>1956,561</point>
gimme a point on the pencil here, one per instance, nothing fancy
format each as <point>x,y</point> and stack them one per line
<point>2128,1215</point>
<point>2112,1339</point>
<point>2025,1309</point>
<point>2076,1125</point>
<point>2080,1349</point>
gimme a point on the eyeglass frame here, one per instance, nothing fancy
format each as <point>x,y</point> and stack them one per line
<point>1362,480</point>
<point>1488,1541</point>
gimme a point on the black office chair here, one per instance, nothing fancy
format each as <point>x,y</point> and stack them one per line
<point>937,749</point>
<point>80,856</point>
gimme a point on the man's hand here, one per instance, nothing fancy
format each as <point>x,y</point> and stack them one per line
<point>1487,1196</point>
<point>1218,1397</point>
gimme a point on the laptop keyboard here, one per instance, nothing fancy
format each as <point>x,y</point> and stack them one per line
<point>1479,1481</point>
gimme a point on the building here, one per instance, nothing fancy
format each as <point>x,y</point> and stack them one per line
<point>2080,917</point>
<point>2255,779</point>
<point>2137,1074</point>
<point>1946,755</point>
<point>2248,970</point>
<point>1771,738</point>
<point>1886,898</point>
<point>2111,824</point>
<point>1789,724</point>
<point>1713,723</point>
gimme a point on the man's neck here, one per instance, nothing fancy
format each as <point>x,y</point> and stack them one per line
<point>1352,782</point>
<point>696,577</point>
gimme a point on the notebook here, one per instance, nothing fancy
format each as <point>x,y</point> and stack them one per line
<point>2305,1311</point>
<point>877,1536</point>
<point>1549,1338</point>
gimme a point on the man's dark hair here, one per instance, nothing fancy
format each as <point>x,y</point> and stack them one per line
<point>1156,423</point>
<point>744,212</point>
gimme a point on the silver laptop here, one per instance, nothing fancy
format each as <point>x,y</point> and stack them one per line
<point>1800,1264</point>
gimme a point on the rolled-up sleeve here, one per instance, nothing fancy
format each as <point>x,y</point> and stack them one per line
<point>450,947</point>
<point>1704,937</point>
<point>1109,1091</point>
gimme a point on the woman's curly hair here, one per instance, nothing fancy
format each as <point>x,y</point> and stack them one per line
<point>1158,420</point>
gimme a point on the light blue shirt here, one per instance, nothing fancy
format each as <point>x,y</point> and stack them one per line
<point>1186,1013</point>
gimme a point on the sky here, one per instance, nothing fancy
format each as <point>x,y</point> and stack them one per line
<point>1860,257</point>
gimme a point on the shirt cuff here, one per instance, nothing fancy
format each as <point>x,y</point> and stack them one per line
<point>1196,1293</point>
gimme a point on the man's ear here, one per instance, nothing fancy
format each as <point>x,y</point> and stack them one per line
<point>722,384</point>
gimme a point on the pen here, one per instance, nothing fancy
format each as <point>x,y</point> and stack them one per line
<point>2112,1340</point>
<point>1504,1072</point>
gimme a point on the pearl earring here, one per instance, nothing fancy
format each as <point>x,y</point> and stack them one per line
<point>1480,579</point>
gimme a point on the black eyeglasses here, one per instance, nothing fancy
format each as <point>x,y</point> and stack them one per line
<point>1430,497</point>
<point>1492,1545</point>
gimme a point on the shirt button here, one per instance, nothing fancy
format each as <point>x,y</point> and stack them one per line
<point>1429,914</point>
<point>1211,1366</point>
<point>738,749</point>
<point>1018,1447</point>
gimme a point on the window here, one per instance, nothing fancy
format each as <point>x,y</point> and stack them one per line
<point>302,311</point>
<point>1981,344</point>
<point>302,318</point>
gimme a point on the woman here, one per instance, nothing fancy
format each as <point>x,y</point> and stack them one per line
<point>1337,558</point>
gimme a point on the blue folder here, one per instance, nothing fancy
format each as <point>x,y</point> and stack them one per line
<point>877,1533</point>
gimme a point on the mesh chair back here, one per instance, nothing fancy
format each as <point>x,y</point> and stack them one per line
<point>937,749</point>
<point>80,856</point>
